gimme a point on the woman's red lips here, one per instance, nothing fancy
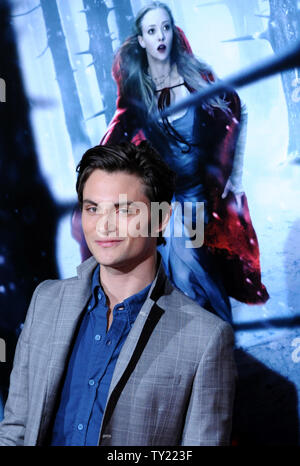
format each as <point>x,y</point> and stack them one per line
<point>161,47</point>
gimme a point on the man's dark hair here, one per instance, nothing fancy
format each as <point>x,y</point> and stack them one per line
<point>142,160</point>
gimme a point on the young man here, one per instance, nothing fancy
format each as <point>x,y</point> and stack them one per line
<point>117,355</point>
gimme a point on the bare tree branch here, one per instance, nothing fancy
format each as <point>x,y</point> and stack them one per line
<point>43,52</point>
<point>27,12</point>
<point>102,112</point>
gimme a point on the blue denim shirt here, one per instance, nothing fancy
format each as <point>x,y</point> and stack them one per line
<point>91,365</point>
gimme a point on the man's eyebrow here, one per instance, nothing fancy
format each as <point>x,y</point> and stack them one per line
<point>88,201</point>
<point>116,204</point>
<point>126,204</point>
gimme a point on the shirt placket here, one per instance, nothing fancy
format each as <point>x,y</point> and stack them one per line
<point>102,349</point>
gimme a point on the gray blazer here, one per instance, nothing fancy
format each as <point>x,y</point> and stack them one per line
<point>173,383</point>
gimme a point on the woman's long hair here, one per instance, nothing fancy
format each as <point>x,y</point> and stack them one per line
<point>130,68</point>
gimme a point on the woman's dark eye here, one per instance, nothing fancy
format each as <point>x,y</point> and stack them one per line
<point>151,31</point>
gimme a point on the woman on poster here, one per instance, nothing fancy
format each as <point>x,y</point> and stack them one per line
<point>154,68</point>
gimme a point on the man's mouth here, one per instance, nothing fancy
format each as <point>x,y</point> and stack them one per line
<point>106,243</point>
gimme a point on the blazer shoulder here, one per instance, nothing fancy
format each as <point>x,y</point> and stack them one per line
<point>177,301</point>
<point>53,287</point>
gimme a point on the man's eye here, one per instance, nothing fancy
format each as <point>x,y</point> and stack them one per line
<point>123,210</point>
<point>127,210</point>
<point>91,210</point>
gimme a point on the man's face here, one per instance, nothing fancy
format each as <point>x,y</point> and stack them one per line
<point>110,227</point>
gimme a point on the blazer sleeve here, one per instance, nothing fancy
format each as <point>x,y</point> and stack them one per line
<point>210,409</point>
<point>13,425</point>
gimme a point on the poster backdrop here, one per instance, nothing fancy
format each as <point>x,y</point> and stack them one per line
<point>57,97</point>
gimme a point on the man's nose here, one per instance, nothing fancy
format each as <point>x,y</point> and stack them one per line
<point>106,224</point>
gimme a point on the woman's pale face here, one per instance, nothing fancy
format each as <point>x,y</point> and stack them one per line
<point>157,35</point>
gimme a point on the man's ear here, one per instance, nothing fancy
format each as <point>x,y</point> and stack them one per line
<point>141,41</point>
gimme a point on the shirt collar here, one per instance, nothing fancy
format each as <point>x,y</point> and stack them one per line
<point>132,304</point>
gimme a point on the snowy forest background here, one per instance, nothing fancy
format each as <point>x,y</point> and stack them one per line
<point>56,58</point>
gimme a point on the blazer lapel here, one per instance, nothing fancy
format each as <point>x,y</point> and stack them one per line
<point>149,314</point>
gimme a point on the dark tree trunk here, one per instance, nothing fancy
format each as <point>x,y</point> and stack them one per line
<point>28,214</point>
<point>65,78</point>
<point>102,52</point>
<point>124,18</point>
<point>73,38</point>
<point>284,27</point>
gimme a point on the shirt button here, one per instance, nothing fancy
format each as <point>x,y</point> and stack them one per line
<point>97,337</point>
<point>80,426</point>
<point>89,307</point>
<point>91,382</point>
<point>108,342</point>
